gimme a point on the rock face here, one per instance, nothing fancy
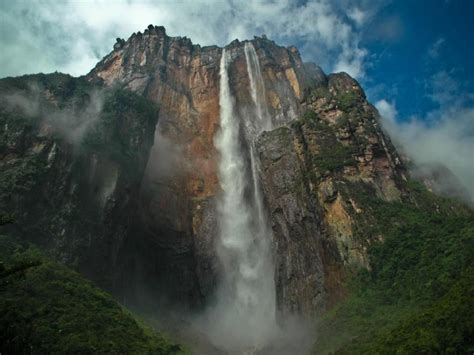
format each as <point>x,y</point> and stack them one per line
<point>306,169</point>
<point>72,160</point>
<point>177,201</point>
<point>156,231</point>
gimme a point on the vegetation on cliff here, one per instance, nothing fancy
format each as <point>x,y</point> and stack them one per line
<point>53,128</point>
<point>73,154</point>
<point>47,308</point>
<point>418,296</point>
<point>333,156</point>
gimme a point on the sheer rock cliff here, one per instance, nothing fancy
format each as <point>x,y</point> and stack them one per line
<point>144,219</point>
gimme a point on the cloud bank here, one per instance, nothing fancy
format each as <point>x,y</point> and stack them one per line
<point>443,138</point>
<point>71,122</point>
<point>72,36</point>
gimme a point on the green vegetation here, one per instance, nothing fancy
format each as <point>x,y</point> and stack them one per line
<point>47,308</point>
<point>418,297</point>
<point>66,90</point>
<point>125,117</point>
<point>21,177</point>
<point>343,121</point>
<point>320,92</point>
<point>332,155</point>
<point>334,158</point>
<point>347,100</point>
<point>52,127</point>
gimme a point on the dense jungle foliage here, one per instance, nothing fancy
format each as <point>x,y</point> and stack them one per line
<point>419,295</point>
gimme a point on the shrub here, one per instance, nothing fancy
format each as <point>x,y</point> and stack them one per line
<point>347,100</point>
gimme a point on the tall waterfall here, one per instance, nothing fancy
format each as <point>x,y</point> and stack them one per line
<point>244,316</point>
<point>257,123</point>
<point>262,120</point>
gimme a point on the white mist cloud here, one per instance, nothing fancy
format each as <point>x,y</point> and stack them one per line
<point>71,36</point>
<point>70,122</point>
<point>357,15</point>
<point>444,89</point>
<point>387,110</point>
<point>444,137</point>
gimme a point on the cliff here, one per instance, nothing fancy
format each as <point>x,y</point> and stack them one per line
<point>128,195</point>
<point>308,171</point>
<point>139,217</point>
<point>73,157</point>
<point>116,175</point>
<point>304,163</point>
<point>177,201</point>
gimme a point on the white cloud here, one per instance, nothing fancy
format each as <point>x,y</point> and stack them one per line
<point>357,15</point>
<point>387,110</point>
<point>447,141</point>
<point>72,36</point>
<point>351,61</point>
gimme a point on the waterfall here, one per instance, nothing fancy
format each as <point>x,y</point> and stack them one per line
<point>262,120</point>
<point>244,316</point>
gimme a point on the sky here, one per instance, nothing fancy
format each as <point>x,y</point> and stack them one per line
<point>412,58</point>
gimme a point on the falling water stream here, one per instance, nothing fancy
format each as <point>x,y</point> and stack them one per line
<point>244,317</point>
<point>261,120</point>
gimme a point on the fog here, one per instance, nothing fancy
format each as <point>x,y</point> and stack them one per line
<point>447,141</point>
<point>70,122</point>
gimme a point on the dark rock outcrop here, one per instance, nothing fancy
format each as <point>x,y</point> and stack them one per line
<point>73,157</point>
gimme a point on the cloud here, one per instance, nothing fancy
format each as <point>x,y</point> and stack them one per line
<point>443,138</point>
<point>433,51</point>
<point>171,162</point>
<point>357,15</point>
<point>71,36</point>
<point>387,110</point>
<point>443,89</point>
<point>71,122</point>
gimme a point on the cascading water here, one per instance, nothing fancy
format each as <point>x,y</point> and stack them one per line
<point>263,120</point>
<point>244,316</point>
<point>257,123</point>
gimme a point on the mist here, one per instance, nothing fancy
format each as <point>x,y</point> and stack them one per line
<point>446,141</point>
<point>170,162</point>
<point>70,121</point>
<point>246,291</point>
